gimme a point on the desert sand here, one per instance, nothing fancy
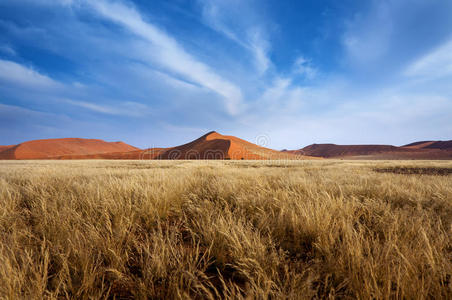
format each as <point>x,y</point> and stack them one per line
<point>54,148</point>
<point>214,145</point>
<point>417,150</point>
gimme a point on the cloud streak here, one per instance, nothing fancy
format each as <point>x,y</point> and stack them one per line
<point>131,109</point>
<point>167,52</point>
<point>436,64</point>
<point>14,73</point>
<point>234,20</point>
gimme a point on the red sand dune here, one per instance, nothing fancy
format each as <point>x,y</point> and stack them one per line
<point>135,154</point>
<point>210,146</point>
<point>54,148</point>
<point>417,150</point>
<point>4,148</point>
<point>216,146</point>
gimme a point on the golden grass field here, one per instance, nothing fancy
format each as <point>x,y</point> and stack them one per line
<point>225,229</point>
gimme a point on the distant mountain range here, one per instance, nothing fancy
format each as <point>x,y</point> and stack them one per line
<point>216,146</point>
<point>416,150</point>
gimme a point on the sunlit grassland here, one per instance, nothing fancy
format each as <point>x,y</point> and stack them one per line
<point>224,229</point>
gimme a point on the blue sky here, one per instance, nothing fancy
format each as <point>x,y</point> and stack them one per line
<point>160,73</point>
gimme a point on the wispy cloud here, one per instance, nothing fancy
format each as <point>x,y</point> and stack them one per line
<point>167,52</point>
<point>304,67</point>
<point>436,64</point>
<point>128,108</point>
<point>235,20</point>
<point>15,73</point>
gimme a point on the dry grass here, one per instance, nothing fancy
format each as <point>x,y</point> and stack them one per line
<point>224,229</point>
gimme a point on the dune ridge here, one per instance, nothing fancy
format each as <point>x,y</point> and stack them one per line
<point>214,145</point>
<point>54,148</point>
<point>416,150</point>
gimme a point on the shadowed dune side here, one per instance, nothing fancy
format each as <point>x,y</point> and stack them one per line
<point>201,148</point>
<point>417,150</point>
<point>333,150</point>
<point>150,153</point>
<point>418,145</point>
<point>54,148</point>
<point>443,145</point>
<point>7,152</point>
<point>3,148</point>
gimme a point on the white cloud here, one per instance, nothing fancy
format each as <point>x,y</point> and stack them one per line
<point>233,20</point>
<point>259,46</point>
<point>131,109</point>
<point>15,73</point>
<point>304,67</point>
<point>167,52</point>
<point>436,64</point>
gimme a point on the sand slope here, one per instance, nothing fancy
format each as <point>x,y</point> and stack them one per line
<point>416,150</point>
<point>54,148</point>
<point>443,145</point>
<point>217,146</point>
<point>333,150</point>
<point>209,146</point>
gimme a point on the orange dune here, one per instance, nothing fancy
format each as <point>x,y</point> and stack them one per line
<point>54,148</point>
<point>2,148</point>
<point>217,146</point>
<point>210,146</point>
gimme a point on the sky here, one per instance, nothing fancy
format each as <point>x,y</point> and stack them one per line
<point>283,74</point>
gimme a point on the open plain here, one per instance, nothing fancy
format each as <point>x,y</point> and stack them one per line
<point>225,229</point>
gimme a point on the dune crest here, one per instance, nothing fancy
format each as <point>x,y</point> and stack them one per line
<point>214,145</point>
<point>416,150</point>
<point>55,148</point>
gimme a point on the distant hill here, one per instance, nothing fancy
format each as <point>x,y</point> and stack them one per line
<point>416,150</point>
<point>443,145</point>
<point>333,150</point>
<point>54,148</point>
